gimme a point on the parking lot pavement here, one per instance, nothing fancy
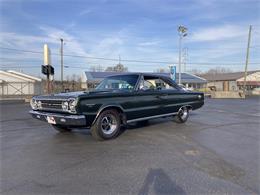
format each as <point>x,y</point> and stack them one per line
<point>215,151</point>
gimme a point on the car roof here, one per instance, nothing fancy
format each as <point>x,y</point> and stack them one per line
<point>139,74</point>
<point>98,76</point>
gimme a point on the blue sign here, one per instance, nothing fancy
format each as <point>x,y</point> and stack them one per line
<point>173,72</point>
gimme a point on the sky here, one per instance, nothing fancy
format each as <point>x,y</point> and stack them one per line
<point>140,30</point>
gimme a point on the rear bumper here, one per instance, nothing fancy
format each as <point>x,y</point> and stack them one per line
<point>60,119</point>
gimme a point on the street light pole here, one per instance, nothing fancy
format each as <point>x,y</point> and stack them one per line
<point>182,33</point>
<point>180,39</point>
<point>61,64</point>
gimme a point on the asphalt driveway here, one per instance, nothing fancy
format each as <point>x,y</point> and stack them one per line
<point>216,151</point>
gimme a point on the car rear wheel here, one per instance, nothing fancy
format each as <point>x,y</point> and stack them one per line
<point>182,115</point>
<point>107,125</point>
<point>61,129</point>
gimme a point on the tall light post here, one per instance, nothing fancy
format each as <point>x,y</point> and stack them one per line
<point>61,64</point>
<point>182,33</point>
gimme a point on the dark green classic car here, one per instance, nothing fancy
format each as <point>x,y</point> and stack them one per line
<point>116,101</point>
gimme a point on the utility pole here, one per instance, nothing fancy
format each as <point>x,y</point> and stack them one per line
<point>182,33</point>
<point>247,57</point>
<point>61,63</point>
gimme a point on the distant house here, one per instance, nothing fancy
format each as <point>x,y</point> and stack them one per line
<point>14,84</point>
<point>232,81</point>
<point>92,79</point>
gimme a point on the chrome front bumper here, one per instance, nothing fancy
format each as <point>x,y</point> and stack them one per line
<point>60,119</point>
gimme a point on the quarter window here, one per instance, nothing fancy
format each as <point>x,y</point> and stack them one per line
<point>155,83</point>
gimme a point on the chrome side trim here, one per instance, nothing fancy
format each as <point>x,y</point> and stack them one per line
<point>152,107</point>
<point>151,117</point>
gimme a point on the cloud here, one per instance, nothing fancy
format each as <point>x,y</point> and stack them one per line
<point>217,33</point>
<point>20,40</point>
<point>149,43</point>
<point>50,35</point>
<point>108,47</point>
<point>73,46</point>
<point>85,12</point>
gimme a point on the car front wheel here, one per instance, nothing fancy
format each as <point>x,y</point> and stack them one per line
<point>182,115</point>
<point>107,125</point>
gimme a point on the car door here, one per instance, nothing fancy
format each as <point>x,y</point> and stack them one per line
<point>171,97</point>
<point>145,103</point>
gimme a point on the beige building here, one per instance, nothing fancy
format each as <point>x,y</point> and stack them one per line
<point>232,81</point>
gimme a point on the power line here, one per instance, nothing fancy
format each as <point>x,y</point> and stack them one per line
<point>34,67</point>
<point>21,50</point>
<point>128,60</point>
<point>107,65</point>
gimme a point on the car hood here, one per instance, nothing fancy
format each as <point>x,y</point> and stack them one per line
<point>63,96</point>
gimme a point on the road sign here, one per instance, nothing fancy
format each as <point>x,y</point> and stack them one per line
<point>173,72</point>
<point>47,70</point>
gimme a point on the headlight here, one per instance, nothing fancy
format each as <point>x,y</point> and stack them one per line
<point>69,105</point>
<point>39,104</point>
<point>33,104</point>
<point>65,106</point>
<point>72,105</point>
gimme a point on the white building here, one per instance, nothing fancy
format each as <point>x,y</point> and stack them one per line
<point>14,83</point>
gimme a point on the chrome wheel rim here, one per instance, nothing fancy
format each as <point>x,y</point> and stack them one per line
<point>108,124</point>
<point>183,113</point>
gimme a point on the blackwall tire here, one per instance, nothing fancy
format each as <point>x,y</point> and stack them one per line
<point>107,125</point>
<point>182,115</point>
<point>61,129</point>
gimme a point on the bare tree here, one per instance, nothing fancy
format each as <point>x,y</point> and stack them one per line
<point>118,68</point>
<point>67,78</point>
<point>162,70</point>
<point>196,71</point>
<point>96,68</point>
<point>218,70</point>
<point>73,77</point>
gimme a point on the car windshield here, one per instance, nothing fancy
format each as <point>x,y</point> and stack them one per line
<point>120,82</point>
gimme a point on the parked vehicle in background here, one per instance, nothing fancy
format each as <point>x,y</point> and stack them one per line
<point>116,101</point>
<point>256,91</point>
<point>186,88</point>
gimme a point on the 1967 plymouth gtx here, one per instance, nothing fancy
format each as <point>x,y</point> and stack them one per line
<point>116,101</point>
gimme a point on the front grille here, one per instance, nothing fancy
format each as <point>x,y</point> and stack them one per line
<point>51,104</point>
